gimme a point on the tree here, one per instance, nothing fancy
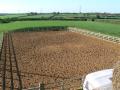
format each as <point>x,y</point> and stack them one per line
<point>98,16</point>
<point>32,13</point>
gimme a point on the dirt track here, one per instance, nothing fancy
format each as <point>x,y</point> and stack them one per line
<point>50,56</point>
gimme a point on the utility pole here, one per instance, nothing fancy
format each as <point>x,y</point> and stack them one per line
<point>80,9</point>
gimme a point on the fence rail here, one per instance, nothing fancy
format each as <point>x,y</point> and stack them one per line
<point>9,79</point>
<point>96,35</point>
<point>40,29</point>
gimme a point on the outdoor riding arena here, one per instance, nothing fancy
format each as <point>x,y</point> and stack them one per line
<point>53,59</point>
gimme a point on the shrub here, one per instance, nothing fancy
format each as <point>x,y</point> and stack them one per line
<point>93,19</point>
<point>6,20</point>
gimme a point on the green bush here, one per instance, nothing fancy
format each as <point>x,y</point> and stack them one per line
<point>6,20</point>
<point>93,19</point>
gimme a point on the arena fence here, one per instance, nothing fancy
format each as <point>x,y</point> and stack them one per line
<point>96,35</point>
<point>50,28</point>
<point>1,39</point>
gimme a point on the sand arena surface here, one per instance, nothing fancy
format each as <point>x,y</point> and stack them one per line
<point>56,55</point>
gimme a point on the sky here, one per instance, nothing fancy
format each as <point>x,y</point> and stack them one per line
<point>21,6</point>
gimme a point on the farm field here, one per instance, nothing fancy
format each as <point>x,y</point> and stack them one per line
<point>45,15</point>
<point>61,15</point>
<point>11,15</point>
<point>106,28</point>
<point>38,16</point>
<point>54,56</point>
<point>112,21</point>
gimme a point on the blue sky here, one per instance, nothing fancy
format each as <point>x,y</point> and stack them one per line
<point>19,6</point>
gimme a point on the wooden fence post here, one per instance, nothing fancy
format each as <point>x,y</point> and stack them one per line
<point>42,86</point>
<point>62,85</point>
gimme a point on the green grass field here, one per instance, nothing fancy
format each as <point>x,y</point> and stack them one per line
<point>11,15</point>
<point>38,16</point>
<point>113,21</point>
<point>106,28</point>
